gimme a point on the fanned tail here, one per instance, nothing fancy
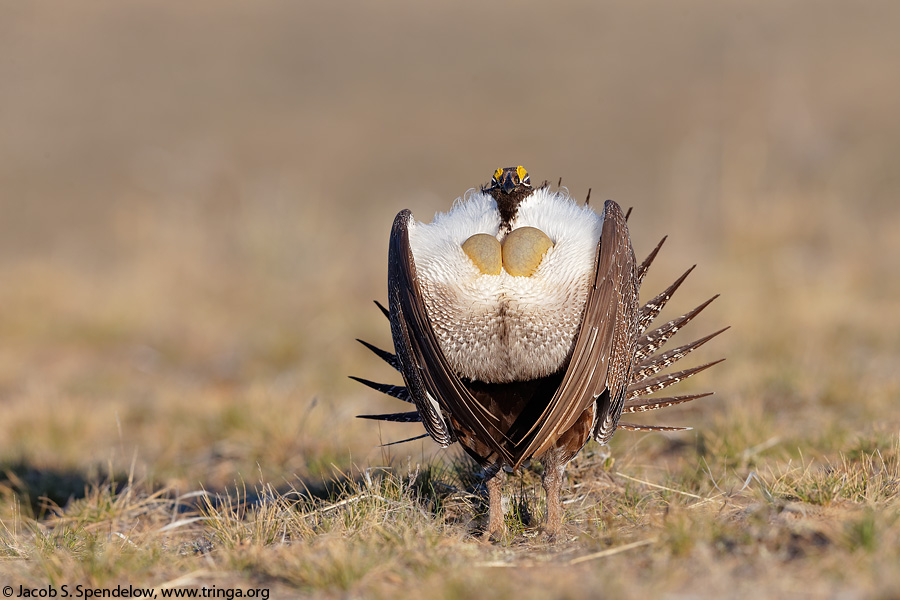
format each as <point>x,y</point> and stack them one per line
<point>395,391</point>
<point>649,360</point>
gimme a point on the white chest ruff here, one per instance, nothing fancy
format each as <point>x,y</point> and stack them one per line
<point>500,328</point>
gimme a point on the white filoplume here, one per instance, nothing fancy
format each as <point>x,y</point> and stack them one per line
<point>500,328</point>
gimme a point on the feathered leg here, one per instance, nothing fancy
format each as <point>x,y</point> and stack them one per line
<point>554,467</point>
<point>496,525</point>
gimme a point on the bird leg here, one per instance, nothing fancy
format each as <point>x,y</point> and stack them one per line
<point>554,467</point>
<point>496,525</point>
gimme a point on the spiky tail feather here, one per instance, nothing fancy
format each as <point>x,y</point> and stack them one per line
<point>632,427</point>
<point>657,362</point>
<point>412,439</point>
<point>384,355</point>
<point>656,339</point>
<point>653,307</point>
<point>404,417</point>
<point>637,405</point>
<point>644,266</point>
<point>395,391</point>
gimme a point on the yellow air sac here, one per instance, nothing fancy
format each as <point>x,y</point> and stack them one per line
<point>484,250</point>
<point>523,250</point>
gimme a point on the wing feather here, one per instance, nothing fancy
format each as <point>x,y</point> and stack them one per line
<point>604,345</point>
<point>430,381</point>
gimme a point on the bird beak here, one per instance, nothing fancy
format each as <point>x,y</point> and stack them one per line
<point>508,183</point>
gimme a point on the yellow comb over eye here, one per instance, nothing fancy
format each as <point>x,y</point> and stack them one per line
<point>497,174</point>
<point>522,173</point>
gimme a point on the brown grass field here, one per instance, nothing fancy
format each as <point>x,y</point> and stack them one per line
<point>195,201</point>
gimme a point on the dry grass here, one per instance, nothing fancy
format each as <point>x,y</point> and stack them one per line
<point>194,207</point>
<point>395,527</point>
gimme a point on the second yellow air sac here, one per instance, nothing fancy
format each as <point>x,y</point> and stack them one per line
<point>523,250</point>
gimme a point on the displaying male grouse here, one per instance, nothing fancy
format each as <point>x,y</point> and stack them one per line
<point>518,332</point>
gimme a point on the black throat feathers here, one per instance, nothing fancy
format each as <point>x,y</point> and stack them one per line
<point>508,202</point>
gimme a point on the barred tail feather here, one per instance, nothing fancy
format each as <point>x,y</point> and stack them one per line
<point>656,363</point>
<point>384,355</point>
<point>653,341</point>
<point>636,405</point>
<point>632,427</point>
<point>642,268</point>
<point>651,309</point>
<point>397,391</point>
<point>654,384</point>
<point>404,417</point>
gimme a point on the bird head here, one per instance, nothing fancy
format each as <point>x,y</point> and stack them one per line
<point>509,178</point>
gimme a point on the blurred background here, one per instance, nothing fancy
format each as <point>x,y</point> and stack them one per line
<point>195,201</point>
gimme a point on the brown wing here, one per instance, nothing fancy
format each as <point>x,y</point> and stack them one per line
<point>432,384</point>
<point>604,346</point>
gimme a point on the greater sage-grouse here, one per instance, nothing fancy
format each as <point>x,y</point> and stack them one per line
<point>518,332</point>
